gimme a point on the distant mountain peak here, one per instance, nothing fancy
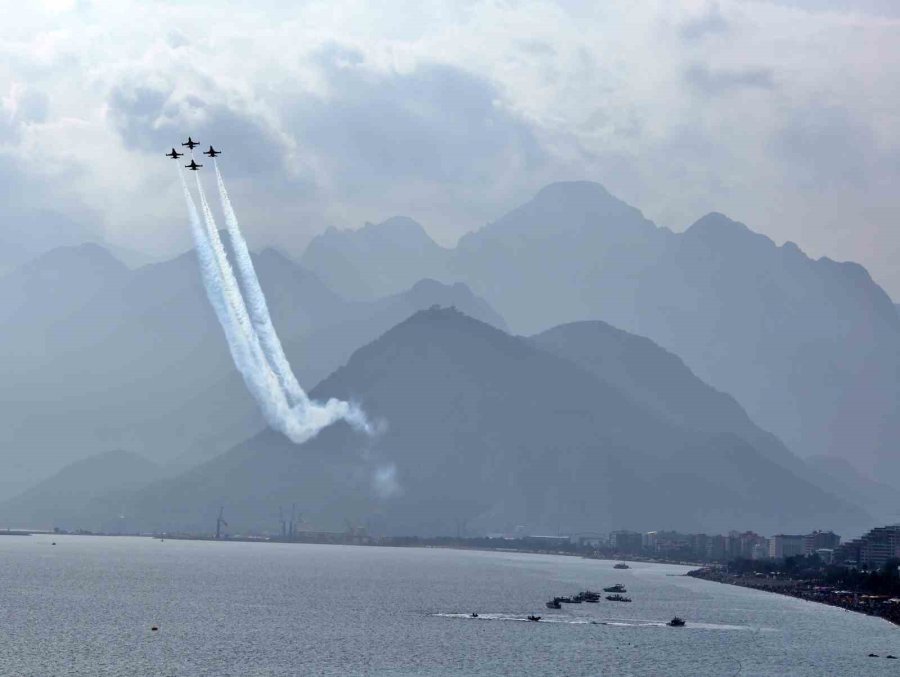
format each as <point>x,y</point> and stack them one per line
<point>88,253</point>
<point>397,229</point>
<point>717,221</point>
<point>718,230</point>
<point>401,226</point>
<point>274,254</point>
<point>569,189</point>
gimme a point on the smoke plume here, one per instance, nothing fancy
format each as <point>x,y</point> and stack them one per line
<point>284,404</point>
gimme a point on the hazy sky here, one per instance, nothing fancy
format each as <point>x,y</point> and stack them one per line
<point>783,115</point>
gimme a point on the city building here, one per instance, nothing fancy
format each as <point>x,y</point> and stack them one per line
<point>626,541</point>
<point>826,555</point>
<point>872,550</point>
<point>819,540</point>
<point>785,545</point>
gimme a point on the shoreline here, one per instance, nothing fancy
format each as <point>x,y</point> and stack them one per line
<point>476,544</point>
<point>854,601</point>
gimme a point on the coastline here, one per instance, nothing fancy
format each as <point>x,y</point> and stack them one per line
<point>879,606</point>
<point>484,544</point>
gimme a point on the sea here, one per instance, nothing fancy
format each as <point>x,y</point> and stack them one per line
<point>88,605</point>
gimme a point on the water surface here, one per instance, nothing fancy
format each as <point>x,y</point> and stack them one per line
<point>86,605</point>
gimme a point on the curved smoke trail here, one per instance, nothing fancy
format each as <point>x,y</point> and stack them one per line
<point>256,301</point>
<point>299,423</point>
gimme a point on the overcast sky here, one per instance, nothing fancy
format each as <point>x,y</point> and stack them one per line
<point>783,115</point>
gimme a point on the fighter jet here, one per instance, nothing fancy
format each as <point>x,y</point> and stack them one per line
<point>190,143</point>
<point>212,152</point>
<point>174,155</point>
<point>193,166</point>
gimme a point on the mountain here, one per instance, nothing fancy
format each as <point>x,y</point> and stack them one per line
<point>807,347</point>
<point>86,494</point>
<point>662,382</point>
<point>313,356</point>
<point>376,260</point>
<point>95,355</point>
<point>319,353</point>
<point>839,477</point>
<point>486,429</point>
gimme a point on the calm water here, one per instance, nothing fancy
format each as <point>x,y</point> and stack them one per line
<point>86,605</point>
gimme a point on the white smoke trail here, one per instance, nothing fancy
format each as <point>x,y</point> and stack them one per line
<point>227,279</point>
<point>260,379</point>
<point>256,301</point>
<point>299,423</point>
<point>209,271</point>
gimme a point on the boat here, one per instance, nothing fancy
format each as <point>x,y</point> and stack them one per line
<point>554,604</point>
<point>618,598</point>
<point>618,587</point>
<point>676,623</point>
<point>473,615</point>
<point>568,600</point>
<point>621,565</point>
<point>588,596</point>
<point>534,618</point>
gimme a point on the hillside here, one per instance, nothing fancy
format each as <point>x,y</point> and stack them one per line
<point>807,347</point>
<point>87,494</point>
<point>95,355</point>
<point>485,428</point>
<point>662,382</point>
<point>376,260</point>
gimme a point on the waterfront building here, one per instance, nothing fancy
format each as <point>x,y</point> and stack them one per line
<point>826,555</point>
<point>626,541</point>
<point>872,550</point>
<point>785,545</point>
<point>818,540</point>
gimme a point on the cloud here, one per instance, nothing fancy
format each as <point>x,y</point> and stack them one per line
<point>710,22</point>
<point>717,81</point>
<point>343,112</point>
<point>829,148</point>
<point>434,123</point>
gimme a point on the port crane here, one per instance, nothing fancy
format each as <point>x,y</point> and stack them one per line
<point>220,523</point>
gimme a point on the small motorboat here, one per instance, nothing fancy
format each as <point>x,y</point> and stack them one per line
<point>588,596</point>
<point>566,600</point>
<point>618,587</point>
<point>618,598</point>
<point>676,622</point>
<point>621,565</point>
<point>534,618</point>
<point>473,615</point>
<point>554,604</point>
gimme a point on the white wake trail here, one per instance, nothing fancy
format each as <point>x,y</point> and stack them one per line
<point>256,301</point>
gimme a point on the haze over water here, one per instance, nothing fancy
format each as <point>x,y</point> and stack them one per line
<point>86,606</point>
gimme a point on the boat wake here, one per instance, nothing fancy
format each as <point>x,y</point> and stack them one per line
<point>583,620</point>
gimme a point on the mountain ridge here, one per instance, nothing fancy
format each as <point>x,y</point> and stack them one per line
<point>485,427</point>
<point>805,345</point>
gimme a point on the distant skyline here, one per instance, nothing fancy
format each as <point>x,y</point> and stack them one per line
<point>779,114</point>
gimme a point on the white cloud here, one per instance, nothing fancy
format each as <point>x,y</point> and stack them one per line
<point>776,113</point>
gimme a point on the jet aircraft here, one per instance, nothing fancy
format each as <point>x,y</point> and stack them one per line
<point>212,152</point>
<point>190,143</point>
<point>193,166</point>
<point>174,155</point>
